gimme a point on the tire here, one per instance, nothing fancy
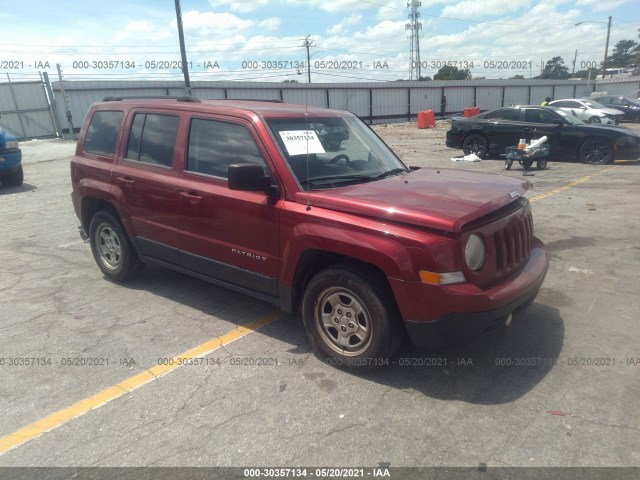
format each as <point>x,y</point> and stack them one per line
<point>596,151</point>
<point>14,179</point>
<point>507,164</point>
<point>112,249</point>
<point>595,120</point>
<point>350,318</point>
<point>541,164</point>
<point>476,143</point>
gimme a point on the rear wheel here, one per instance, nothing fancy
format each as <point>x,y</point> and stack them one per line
<point>14,179</point>
<point>350,318</point>
<point>541,164</point>
<point>596,151</point>
<point>112,249</point>
<point>476,143</point>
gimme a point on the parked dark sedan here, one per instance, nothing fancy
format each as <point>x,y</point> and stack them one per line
<point>568,138</point>
<point>628,106</point>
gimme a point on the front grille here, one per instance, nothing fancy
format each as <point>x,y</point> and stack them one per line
<point>513,245</point>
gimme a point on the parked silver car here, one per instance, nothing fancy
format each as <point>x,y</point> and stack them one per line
<point>589,110</point>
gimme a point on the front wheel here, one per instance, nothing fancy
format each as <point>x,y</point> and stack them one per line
<point>112,249</point>
<point>476,143</point>
<point>595,120</point>
<point>14,179</point>
<point>350,318</point>
<point>596,151</point>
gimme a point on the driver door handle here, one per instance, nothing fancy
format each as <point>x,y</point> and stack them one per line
<point>191,197</point>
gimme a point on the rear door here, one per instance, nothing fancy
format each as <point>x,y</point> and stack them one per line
<point>145,178</point>
<point>231,236</point>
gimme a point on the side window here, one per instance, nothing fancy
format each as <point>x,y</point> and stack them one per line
<point>102,133</point>
<point>152,138</point>
<point>214,145</point>
<point>509,114</point>
<point>535,115</point>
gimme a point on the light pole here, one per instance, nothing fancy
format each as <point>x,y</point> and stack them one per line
<point>606,46</point>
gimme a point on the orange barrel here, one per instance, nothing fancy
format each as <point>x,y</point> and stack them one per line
<point>426,119</point>
<point>471,111</point>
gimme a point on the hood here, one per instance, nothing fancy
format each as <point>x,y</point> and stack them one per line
<point>609,111</point>
<point>442,199</point>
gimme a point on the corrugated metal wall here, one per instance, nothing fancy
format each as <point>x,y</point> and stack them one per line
<point>375,102</point>
<point>25,110</point>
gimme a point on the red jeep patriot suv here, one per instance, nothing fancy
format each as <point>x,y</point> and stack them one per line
<point>308,209</point>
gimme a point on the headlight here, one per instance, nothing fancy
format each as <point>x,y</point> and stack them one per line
<point>474,253</point>
<point>11,144</point>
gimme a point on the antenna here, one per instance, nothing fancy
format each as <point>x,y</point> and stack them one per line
<point>415,25</point>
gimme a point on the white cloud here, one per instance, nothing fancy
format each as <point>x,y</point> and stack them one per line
<point>271,23</point>
<point>600,6</point>
<point>332,5</point>
<point>477,9</point>
<point>240,5</point>
<point>212,24</point>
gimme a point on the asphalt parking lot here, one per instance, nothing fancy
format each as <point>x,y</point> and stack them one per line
<point>87,377</point>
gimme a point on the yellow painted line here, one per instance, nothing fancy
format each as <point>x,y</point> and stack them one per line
<point>59,418</point>
<point>568,185</point>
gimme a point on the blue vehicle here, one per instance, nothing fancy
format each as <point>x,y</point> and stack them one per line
<point>11,174</point>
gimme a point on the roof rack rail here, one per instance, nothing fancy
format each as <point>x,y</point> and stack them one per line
<point>152,97</point>
<point>273,100</point>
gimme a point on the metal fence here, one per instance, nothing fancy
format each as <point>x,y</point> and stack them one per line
<point>65,107</point>
<point>25,108</point>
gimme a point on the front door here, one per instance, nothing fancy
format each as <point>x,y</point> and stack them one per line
<point>231,236</point>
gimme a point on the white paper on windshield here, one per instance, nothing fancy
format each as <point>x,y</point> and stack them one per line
<point>301,142</point>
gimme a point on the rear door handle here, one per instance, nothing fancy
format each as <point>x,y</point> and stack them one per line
<point>191,197</point>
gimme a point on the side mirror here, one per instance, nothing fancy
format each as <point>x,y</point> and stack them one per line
<point>250,177</point>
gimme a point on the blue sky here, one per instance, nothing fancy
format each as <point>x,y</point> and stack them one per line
<point>262,40</point>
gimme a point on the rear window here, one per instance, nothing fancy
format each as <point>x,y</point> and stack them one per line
<point>102,133</point>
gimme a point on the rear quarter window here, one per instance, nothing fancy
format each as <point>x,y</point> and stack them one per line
<point>102,133</point>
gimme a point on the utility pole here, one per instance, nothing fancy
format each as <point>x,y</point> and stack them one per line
<point>414,26</point>
<point>183,51</point>
<point>606,50</point>
<point>575,58</point>
<point>307,43</point>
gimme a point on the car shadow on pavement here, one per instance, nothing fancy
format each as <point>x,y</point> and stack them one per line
<point>25,187</point>
<point>497,367</point>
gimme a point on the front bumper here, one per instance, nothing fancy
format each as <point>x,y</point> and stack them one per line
<point>454,139</point>
<point>10,160</point>
<point>464,309</point>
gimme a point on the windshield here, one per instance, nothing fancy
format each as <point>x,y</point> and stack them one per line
<point>334,151</point>
<point>569,118</point>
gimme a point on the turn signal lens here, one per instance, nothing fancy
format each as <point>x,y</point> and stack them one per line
<point>434,278</point>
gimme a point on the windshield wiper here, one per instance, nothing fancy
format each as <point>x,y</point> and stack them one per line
<point>395,171</point>
<point>347,178</point>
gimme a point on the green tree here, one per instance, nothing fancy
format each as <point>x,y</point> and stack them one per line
<point>518,77</point>
<point>449,72</point>
<point>585,73</point>
<point>622,53</point>
<point>555,69</point>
